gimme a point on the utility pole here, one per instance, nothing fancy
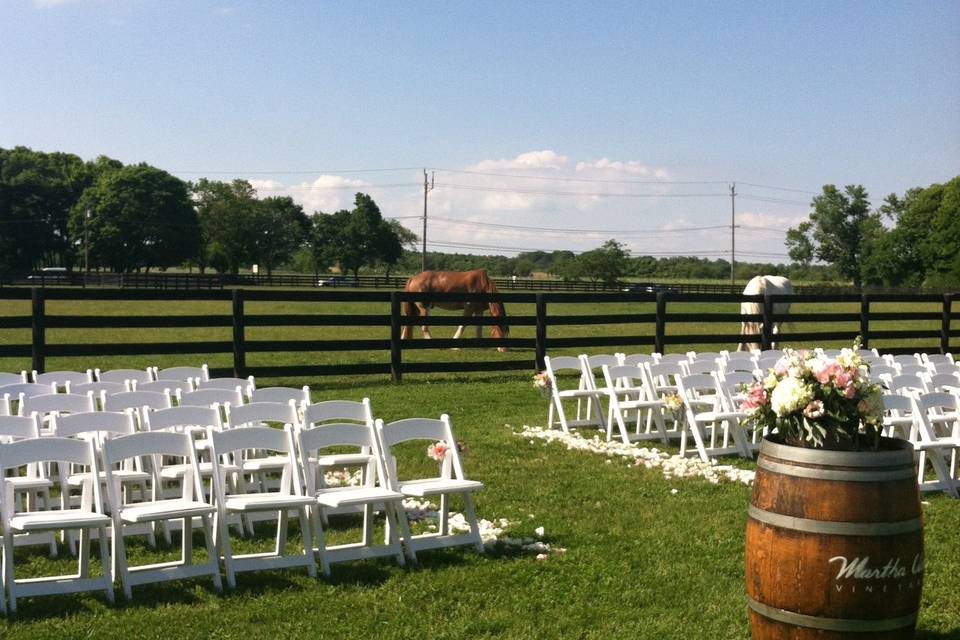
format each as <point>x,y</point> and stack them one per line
<point>733,234</point>
<point>427,188</point>
<point>86,241</point>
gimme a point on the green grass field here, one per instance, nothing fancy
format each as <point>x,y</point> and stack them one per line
<point>641,561</point>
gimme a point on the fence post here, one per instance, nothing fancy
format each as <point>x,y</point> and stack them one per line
<point>865,320</point>
<point>541,333</point>
<point>661,325</point>
<point>396,352</point>
<point>766,333</point>
<point>38,324</point>
<point>239,347</point>
<point>945,323</point>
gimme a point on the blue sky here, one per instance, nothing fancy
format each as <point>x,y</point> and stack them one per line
<point>607,109</point>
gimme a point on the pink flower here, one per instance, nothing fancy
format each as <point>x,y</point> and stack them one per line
<point>813,410</point>
<point>823,375</point>
<point>438,451</point>
<point>843,380</point>
<point>849,391</point>
<point>782,366</point>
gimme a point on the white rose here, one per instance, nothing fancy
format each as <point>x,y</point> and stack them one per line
<point>789,397</point>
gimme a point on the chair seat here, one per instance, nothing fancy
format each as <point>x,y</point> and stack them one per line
<point>579,393</point>
<point>162,509</point>
<point>342,459</point>
<point>267,463</point>
<point>346,496</point>
<point>939,443</point>
<point>713,416</point>
<point>436,486</point>
<point>264,501</point>
<point>123,475</point>
<point>176,471</point>
<point>26,483</point>
<point>65,519</point>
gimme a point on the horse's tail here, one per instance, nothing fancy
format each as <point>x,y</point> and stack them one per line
<point>410,310</point>
<point>497,309</point>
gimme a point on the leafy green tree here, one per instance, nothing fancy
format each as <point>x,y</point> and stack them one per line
<point>608,264</point>
<point>141,216</point>
<point>838,231</point>
<point>356,238</point>
<point>37,191</point>
<point>941,247</point>
<point>226,212</point>
<point>278,227</point>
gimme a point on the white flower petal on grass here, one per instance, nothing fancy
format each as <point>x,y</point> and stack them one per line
<point>539,532</point>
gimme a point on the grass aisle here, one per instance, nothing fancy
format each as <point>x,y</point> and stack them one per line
<point>641,560</point>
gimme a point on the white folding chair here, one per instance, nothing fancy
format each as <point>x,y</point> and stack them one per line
<point>60,379</point>
<point>182,374</point>
<point>881,373</point>
<point>289,496</point>
<point>99,389</point>
<point>246,384</point>
<point>590,367</point>
<point>328,412</point>
<point>122,375</point>
<point>903,359</point>
<point>188,505</point>
<point>907,384</point>
<point>673,358</point>
<point>937,358</point>
<point>140,401</point>
<point>732,395</point>
<point>947,382</point>
<point>714,430</point>
<point>638,358</point>
<point>33,486</point>
<point>281,394</point>
<point>17,392</point>
<point>629,393</point>
<point>97,426</point>
<point>451,480</point>
<point>169,387</point>
<point>375,490</point>
<point>700,365</point>
<point>88,516</point>
<point>938,424</point>
<point>561,368</point>
<point>56,403</point>
<point>12,378</point>
<point>914,370</point>
<point>209,397</point>
<point>899,419</point>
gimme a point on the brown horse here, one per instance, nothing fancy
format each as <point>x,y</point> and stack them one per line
<point>476,281</point>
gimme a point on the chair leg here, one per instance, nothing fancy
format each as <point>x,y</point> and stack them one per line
<point>121,569</point>
<point>306,536</point>
<point>105,560</point>
<point>321,541</point>
<point>9,587</point>
<point>186,542</point>
<point>83,553</point>
<point>404,527</point>
<point>213,557</point>
<point>222,528</point>
<point>472,519</point>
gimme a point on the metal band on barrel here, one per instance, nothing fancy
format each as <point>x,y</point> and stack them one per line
<point>835,528</point>
<point>896,457</point>
<point>831,624</point>
<point>819,473</point>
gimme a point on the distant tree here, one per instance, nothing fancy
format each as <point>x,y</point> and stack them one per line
<point>37,192</point>
<point>838,231</point>
<point>393,239</point>
<point>941,247</point>
<point>141,216</point>
<point>226,212</point>
<point>278,227</point>
<point>608,264</point>
<point>356,238</point>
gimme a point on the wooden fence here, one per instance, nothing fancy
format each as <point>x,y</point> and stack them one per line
<point>661,319</point>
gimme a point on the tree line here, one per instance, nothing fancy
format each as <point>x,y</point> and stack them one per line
<point>58,210</point>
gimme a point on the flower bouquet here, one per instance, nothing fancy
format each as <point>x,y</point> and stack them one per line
<point>673,405</point>
<point>816,401</point>
<point>543,383</point>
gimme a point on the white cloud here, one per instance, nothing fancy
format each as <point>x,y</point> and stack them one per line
<point>44,4</point>
<point>532,160</point>
<point>327,193</point>
<point>769,220</point>
<point>606,166</point>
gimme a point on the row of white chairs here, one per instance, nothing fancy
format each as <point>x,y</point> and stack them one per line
<point>179,486</point>
<point>707,419</point>
<point>150,374</point>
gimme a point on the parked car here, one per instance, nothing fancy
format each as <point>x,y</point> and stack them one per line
<point>646,287</point>
<point>331,281</point>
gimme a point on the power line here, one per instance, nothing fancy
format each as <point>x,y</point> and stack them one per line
<point>773,200</point>
<point>497,225</point>
<point>339,186</point>
<point>598,194</point>
<point>559,179</point>
<point>764,186</point>
<point>327,171</point>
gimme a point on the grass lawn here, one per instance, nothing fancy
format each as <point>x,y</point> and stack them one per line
<point>641,561</point>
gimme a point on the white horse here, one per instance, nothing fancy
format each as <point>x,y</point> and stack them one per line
<point>758,286</point>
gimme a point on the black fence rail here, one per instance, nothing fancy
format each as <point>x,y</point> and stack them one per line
<point>655,322</point>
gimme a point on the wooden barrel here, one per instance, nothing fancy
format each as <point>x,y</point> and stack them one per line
<point>834,544</point>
